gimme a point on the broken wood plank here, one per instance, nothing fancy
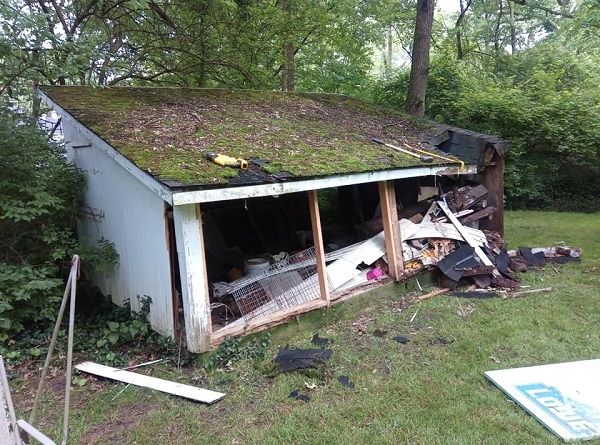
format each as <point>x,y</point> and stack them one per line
<point>433,293</point>
<point>391,229</point>
<point>178,389</point>
<point>483,213</point>
<point>315,220</point>
<point>493,179</point>
<point>462,230</point>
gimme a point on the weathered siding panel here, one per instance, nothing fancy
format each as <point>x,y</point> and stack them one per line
<point>131,216</point>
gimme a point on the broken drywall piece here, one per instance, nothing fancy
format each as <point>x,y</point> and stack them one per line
<point>178,389</point>
<point>344,269</point>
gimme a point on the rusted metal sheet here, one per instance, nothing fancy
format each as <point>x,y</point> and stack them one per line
<point>133,220</point>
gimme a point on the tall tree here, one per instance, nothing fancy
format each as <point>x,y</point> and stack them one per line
<point>417,86</point>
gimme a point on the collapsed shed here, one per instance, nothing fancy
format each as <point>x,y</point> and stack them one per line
<point>310,210</point>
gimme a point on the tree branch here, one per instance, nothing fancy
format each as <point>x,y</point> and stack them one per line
<point>543,8</point>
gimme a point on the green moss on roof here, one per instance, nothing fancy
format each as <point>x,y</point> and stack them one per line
<point>166,131</point>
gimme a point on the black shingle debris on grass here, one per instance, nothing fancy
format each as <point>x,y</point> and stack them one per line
<point>321,342</point>
<point>476,294</point>
<point>532,259</point>
<point>345,381</point>
<point>295,394</point>
<point>292,359</point>
<point>380,333</point>
<point>402,339</point>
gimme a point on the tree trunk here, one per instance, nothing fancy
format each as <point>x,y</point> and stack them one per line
<point>460,53</point>
<point>513,33</point>
<point>497,42</point>
<point>288,71</point>
<point>36,101</point>
<point>390,52</point>
<point>417,86</point>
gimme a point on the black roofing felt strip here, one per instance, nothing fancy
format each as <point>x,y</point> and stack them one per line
<point>293,359</point>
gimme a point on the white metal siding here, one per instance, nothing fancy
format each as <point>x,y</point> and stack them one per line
<point>133,220</point>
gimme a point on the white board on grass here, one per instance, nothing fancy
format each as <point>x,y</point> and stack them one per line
<point>565,397</point>
<point>178,389</point>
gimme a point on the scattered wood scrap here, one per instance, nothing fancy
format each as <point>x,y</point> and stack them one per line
<point>526,292</point>
<point>178,389</point>
<point>433,293</point>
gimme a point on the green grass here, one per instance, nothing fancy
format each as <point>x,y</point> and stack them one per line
<point>430,391</point>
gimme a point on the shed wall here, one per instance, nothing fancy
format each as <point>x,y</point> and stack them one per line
<point>121,209</point>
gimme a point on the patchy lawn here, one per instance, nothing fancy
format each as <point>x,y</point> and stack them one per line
<point>428,391</point>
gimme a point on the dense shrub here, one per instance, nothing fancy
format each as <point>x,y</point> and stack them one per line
<point>39,196</point>
<point>546,100</point>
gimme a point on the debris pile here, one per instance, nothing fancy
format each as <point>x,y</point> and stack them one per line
<point>440,231</point>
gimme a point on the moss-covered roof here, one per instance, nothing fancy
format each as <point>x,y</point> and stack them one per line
<point>166,131</point>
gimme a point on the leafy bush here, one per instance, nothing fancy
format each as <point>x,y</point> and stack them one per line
<point>39,198</point>
<point>546,100</point>
<point>107,333</point>
<point>236,349</point>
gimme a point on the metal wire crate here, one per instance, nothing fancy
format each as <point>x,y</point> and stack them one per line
<point>283,285</point>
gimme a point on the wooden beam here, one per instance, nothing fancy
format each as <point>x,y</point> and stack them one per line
<point>192,271</point>
<point>261,324</point>
<point>304,185</point>
<point>315,220</point>
<point>391,229</point>
<point>466,236</point>
<point>493,179</point>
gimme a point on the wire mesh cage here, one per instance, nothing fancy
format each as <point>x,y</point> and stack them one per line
<point>285,284</point>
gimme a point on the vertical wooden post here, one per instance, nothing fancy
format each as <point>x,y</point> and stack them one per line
<point>315,220</point>
<point>493,180</point>
<point>391,229</point>
<point>192,271</point>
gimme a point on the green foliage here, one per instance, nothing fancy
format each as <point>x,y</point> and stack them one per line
<point>235,349</point>
<point>38,206</point>
<point>112,333</point>
<point>546,100</point>
<point>109,335</point>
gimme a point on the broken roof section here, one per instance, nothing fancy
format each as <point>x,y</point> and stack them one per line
<point>167,131</point>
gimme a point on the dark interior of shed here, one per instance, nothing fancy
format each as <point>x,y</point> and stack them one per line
<point>269,228</point>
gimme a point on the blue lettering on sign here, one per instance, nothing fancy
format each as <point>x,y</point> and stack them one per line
<point>580,419</point>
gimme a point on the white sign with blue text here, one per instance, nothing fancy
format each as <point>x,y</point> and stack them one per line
<point>565,397</point>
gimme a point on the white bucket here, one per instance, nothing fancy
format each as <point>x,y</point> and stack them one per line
<point>256,266</point>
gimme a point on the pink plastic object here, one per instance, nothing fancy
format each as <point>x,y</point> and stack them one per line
<point>374,273</point>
